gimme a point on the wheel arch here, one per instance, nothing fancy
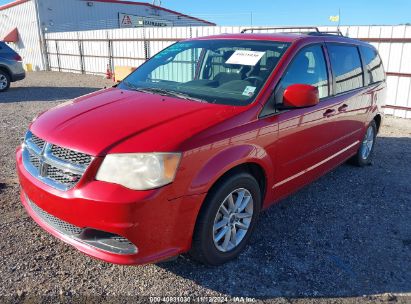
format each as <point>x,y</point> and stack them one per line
<point>243,158</point>
<point>252,168</point>
<point>6,70</point>
<point>378,119</point>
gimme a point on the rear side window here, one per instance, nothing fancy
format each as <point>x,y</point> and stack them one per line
<point>307,67</point>
<point>346,67</point>
<point>373,65</point>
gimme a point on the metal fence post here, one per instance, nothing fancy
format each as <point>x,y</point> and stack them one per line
<point>58,55</point>
<point>146,45</point>
<point>80,50</point>
<point>47,55</point>
<point>110,53</point>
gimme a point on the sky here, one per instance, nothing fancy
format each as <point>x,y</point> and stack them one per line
<point>293,12</point>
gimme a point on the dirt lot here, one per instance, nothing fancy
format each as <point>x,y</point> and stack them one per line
<point>345,238</point>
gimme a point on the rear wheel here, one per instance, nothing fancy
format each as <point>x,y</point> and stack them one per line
<point>4,81</point>
<point>227,220</point>
<point>365,152</point>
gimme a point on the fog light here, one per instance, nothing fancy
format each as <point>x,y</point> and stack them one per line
<point>107,241</point>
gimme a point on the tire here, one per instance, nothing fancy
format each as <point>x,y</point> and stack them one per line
<point>204,248</point>
<point>4,81</point>
<point>365,152</point>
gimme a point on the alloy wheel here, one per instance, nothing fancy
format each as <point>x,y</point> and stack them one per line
<point>367,144</point>
<point>233,220</point>
<point>3,82</point>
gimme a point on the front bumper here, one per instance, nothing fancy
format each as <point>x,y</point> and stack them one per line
<point>160,228</point>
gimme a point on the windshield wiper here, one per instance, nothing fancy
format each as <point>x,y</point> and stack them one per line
<point>165,92</point>
<point>135,88</point>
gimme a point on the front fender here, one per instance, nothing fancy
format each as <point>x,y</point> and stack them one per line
<point>224,160</point>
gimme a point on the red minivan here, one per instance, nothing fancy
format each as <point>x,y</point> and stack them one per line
<point>184,153</point>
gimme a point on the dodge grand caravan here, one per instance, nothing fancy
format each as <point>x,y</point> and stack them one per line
<point>184,153</point>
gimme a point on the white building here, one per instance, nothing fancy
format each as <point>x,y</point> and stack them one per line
<point>24,22</point>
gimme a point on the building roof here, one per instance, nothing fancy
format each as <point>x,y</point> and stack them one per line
<point>17,2</point>
<point>155,7</point>
<point>11,4</point>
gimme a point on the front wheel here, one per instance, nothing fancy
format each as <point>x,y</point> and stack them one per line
<point>226,220</point>
<point>365,152</point>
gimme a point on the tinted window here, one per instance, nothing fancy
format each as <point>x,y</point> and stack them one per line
<point>307,67</point>
<point>346,66</point>
<point>374,67</point>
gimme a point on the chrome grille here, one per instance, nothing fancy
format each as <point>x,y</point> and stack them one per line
<point>35,161</point>
<point>38,141</point>
<point>64,177</point>
<point>58,167</point>
<point>71,156</point>
<point>55,222</point>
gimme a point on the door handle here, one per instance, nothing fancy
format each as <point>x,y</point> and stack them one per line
<point>329,113</point>
<point>343,108</point>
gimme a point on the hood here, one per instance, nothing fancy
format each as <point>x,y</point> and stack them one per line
<point>122,121</point>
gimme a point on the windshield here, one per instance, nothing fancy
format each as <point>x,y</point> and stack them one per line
<point>216,71</point>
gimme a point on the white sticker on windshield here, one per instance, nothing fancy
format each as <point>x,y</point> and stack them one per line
<point>244,57</point>
<point>249,91</point>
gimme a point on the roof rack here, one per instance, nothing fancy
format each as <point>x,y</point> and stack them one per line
<point>303,28</point>
<point>327,33</point>
<point>309,30</point>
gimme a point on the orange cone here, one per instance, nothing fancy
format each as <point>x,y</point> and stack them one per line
<point>109,74</point>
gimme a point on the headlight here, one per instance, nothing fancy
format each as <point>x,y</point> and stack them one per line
<point>139,171</point>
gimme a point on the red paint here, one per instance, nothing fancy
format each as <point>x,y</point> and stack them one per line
<point>11,4</point>
<point>386,40</point>
<point>398,74</point>
<point>17,57</point>
<point>397,108</point>
<point>300,96</point>
<point>293,148</point>
<point>12,36</point>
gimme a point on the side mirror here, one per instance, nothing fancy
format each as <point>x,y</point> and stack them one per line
<point>300,96</point>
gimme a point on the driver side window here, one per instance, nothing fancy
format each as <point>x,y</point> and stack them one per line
<point>307,67</point>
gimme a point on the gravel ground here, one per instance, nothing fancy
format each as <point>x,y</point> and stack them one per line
<point>344,239</point>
